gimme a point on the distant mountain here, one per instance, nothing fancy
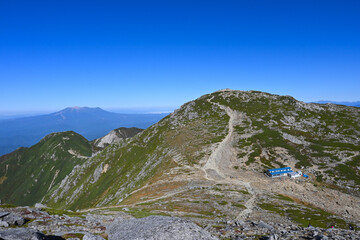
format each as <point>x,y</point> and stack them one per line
<point>92,123</point>
<point>353,104</point>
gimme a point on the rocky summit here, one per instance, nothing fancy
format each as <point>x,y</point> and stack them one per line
<point>207,163</point>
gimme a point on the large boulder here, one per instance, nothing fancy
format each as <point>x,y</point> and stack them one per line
<point>13,219</point>
<point>159,228</point>
<point>21,234</point>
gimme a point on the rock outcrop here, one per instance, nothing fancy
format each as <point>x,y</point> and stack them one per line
<point>116,136</point>
<point>158,228</point>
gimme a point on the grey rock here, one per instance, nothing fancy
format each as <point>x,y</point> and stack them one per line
<point>40,205</point>
<point>3,214</point>
<point>92,237</point>
<point>273,237</point>
<point>13,219</point>
<point>159,228</point>
<point>3,224</point>
<point>21,234</point>
<point>265,225</point>
<point>321,237</point>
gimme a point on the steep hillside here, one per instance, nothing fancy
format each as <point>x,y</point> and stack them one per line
<point>278,130</point>
<point>179,139</point>
<point>27,174</point>
<point>207,160</point>
<point>91,123</point>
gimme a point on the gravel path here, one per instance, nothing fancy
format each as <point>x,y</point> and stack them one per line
<point>217,166</point>
<point>223,152</point>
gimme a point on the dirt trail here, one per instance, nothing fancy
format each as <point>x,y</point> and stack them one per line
<point>223,152</point>
<point>217,168</point>
<point>249,204</point>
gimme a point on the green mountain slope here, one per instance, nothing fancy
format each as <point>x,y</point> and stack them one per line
<point>278,130</point>
<point>207,161</point>
<point>27,174</point>
<point>213,139</point>
<point>111,175</point>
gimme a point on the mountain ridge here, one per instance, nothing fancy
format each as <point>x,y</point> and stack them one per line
<point>43,165</point>
<point>353,104</point>
<point>46,163</point>
<point>207,160</point>
<point>228,138</point>
<point>92,123</point>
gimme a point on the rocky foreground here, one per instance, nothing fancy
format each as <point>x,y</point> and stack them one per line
<point>37,223</point>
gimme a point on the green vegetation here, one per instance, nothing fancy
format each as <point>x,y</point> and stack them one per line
<point>31,172</point>
<point>349,172</point>
<point>306,215</point>
<point>144,212</point>
<point>73,235</point>
<point>7,206</point>
<point>207,213</point>
<point>283,197</point>
<point>223,203</point>
<point>275,131</point>
<point>61,212</point>
<point>238,205</point>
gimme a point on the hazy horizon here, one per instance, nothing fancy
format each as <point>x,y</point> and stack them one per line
<point>134,110</point>
<point>29,113</point>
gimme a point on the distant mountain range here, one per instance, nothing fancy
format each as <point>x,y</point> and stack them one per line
<point>91,123</point>
<point>353,104</point>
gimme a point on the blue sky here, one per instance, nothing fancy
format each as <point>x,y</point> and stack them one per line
<point>159,54</point>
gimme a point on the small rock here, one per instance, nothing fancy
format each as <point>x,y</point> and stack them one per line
<point>3,224</point>
<point>273,237</point>
<point>321,237</point>
<point>264,225</point>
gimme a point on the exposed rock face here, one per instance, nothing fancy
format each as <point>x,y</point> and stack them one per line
<point>116,136</point>
<point>158,228</point>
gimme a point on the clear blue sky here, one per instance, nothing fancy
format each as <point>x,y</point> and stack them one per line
<point>152,54</point>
